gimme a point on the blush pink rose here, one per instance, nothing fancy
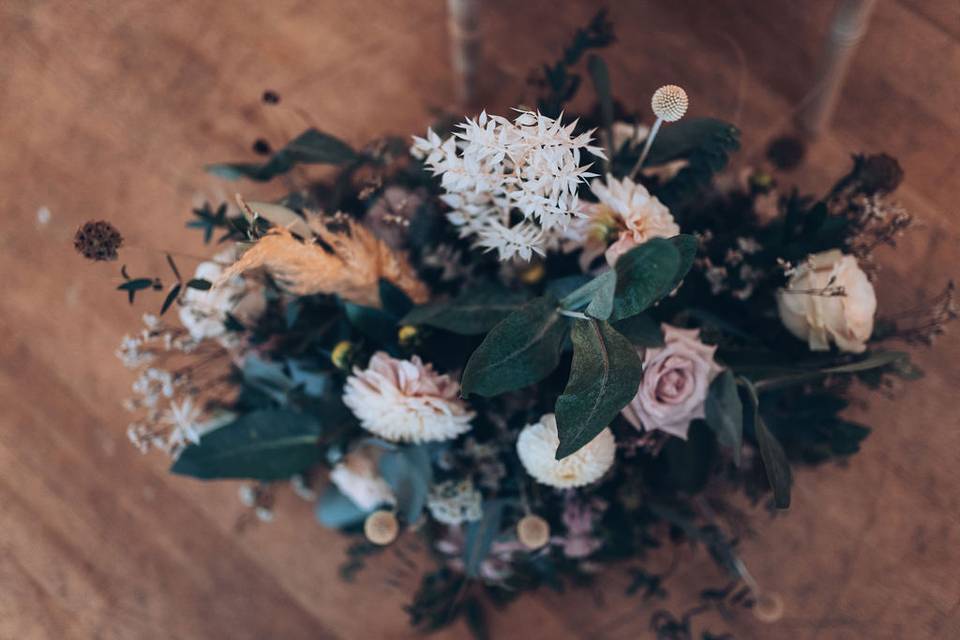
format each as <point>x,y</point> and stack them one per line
<point>675,381</point>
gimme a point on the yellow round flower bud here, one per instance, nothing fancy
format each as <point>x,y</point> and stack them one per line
<point>768,607</point>
<point>533,532</point>
<point>342,354</point>
<point>534,274</point>
<point>381,527</point>
<point>407,334</point>
<point>669,102</point>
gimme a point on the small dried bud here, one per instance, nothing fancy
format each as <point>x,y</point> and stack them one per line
<point>261,147</point>
<point>270,97</point>
<point>381,527</point>
<point>533,274</point>
<point>342,355</point>
<point>407,335</point>
<point>670,102</point>
<point>533,532</point>
<point>879,174</point>
<point>98,240</point>
<point>768,607</point>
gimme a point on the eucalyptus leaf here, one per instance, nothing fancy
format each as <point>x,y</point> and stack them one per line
<point>267,376</point>
<point>789,376</point>
<point>771,452</point>
<point>601,285</point>
<point>645,274</point>
<point>337,511</point>
<point>604,378</point>
<point>474,312</point>
<point>724,413</point>
<point>408,472</point>
<point>520,350</point>
<point>375,324</point>
<point>393,299</point>
<point>281,216</point>
<point>481,536</point>
<point>641,330</point>
<point>310,147</point>
<point>686,246</point>
<point>269,444</point>
<point>171,297</point>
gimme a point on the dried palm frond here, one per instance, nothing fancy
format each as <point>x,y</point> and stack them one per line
<point>349,263</point>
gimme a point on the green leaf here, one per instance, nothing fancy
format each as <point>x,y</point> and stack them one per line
<point>481,535</point>
<point>522,349</point>
<point>794,376</point>
<point>269,444</point>
<point>601,286</point>
<point>645,274</point>
<point>641,330</point>
<point>310,147</point>
<point>199,284</point>
<point>373,323</point>
<point>686,246</point>
<point>281,216</point>
<point>393,299</point>
<point>774,459</point>
<point>601,305</point>
<point>337,511</point>
<point>604,378</point>
<point>725,413</point>
<point>471,313</point>
<point>174,292</point>
<point>268,377</point>
<point>408,472</point>
<point>136,284</point>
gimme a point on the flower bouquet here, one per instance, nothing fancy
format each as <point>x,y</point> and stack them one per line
<point>545,344</point>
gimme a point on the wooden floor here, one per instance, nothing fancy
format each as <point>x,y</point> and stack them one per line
<point>109,109</point>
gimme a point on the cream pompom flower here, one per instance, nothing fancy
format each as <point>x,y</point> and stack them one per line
<point>537,448</point>
<point>628,206</point>
<point>406,400</point>
<point>357,478</point>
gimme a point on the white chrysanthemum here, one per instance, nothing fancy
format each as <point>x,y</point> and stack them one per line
<point>356,477</point>
<point>406,400</point>
<point>495,171</point>
<point>537,447</point>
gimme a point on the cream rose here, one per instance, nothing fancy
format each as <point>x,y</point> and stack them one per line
<point>816,316</point>
<point>675,381</point>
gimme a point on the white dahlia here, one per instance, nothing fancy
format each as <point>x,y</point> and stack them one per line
<point>537,447</point>
<point>406,400</point>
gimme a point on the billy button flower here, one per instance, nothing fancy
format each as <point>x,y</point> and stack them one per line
<point>408,336</point>
<point>342,355</point>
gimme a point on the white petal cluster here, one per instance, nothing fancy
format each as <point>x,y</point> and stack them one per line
<point>204,312</point>
<point>510,185</point>
<point>406,400</point>
<point>357,478</point>
<point>537,448</point>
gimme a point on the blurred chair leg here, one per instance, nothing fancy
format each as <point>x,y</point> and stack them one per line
<point>465,48</point>
<point>846,31</point>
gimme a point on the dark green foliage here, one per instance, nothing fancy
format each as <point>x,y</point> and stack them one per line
<point>481,535</point>
<point>558,82</point>
<point>270,444</point>
<point>474,312</point>
<point>310,147</point>
<point>604,377</point>
<point>641,330</point>
<point>774,459</point>
<point>706,145</point>
<point>725,413</point>
<point>645,274</point>
<point>520,350</point>
<point>408,471</point>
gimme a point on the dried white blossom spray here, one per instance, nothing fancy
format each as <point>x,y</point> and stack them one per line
<point>669,103</point>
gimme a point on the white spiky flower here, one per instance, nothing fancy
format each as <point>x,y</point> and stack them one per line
<point>406,400</point>
<point>510,185</point>
<point>537,448</point>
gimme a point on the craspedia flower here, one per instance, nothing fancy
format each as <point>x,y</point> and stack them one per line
<point>406,400</point>
<point>669,102</point>
<point>533,532</point>
<point>342,354</point>
<point>537,448</point>
<point>98,240</point>
<point>381,527</point>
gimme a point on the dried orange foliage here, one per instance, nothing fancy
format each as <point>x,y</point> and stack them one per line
<point>352,270</point>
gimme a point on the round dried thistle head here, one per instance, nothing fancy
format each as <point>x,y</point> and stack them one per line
<point>98,240</point>
<point>768,607</point>
<point>533,532</point>
<point>669,103</point>
<point>381,527</point>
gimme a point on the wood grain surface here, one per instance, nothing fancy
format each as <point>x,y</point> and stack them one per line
<point>110,109</point>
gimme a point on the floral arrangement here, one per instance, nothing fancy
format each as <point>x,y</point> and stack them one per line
<point>544,344</point>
